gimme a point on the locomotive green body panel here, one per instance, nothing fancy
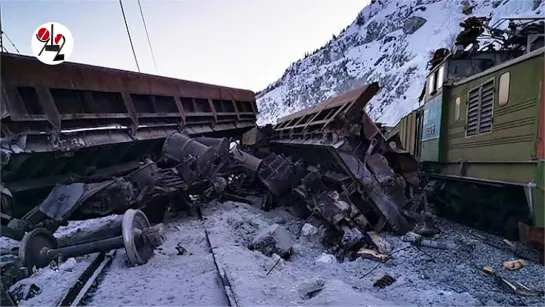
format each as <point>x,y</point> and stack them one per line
<point>493,128</point>
<point>507,151</point>
<point>432,140</point>
<point>489,131</point>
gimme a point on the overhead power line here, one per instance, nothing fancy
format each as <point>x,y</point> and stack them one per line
<point>147,34</point>
<point>11,42</point>
<point>129,34</point>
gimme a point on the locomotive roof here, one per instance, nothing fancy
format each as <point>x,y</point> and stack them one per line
<point>522,58</point>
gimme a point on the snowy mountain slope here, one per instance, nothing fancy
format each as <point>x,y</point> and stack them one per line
<point>390,42</point>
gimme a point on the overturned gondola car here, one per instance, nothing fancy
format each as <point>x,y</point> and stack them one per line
<point>333,158</point>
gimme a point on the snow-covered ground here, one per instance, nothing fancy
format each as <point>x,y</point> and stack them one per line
<point>389,42</point>
<point>168,279</point>
<point>426,277</point>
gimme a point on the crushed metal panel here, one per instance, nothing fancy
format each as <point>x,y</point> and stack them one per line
<point>357,99</point>
<point>346,141</point>
<point>60,203</point>
<point>383,202</point>
<point>276,173</point>
<point>331,157</point>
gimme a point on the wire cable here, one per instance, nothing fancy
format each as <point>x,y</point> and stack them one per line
<point>147,34</point>
<point>11,42</point>
<point>2,47</point>
<point>129,34</point>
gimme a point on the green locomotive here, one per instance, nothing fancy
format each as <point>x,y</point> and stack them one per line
<point>479,132</point>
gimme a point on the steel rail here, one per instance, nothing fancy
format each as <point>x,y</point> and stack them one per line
<point>81,287</point>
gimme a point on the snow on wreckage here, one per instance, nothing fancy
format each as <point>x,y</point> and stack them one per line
<point>76,148</point>
<point>81,141</point>
<point>345,170</point>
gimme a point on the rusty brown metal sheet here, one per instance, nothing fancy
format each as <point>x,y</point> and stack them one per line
<point>40,99</point>
<point>370,129</point>
<point>347,97</point>
<point>72,95</point>
<point>328,135</point>
<point>296,114</point>
<point>361,95</point>
<point>18,70</point>
<point>319,116</point>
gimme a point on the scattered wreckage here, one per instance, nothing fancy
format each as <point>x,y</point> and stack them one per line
<point>330,161</point>
<point>191,144</point>
<point>335,161</point>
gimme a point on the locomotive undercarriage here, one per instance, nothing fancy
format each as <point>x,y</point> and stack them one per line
<point>495,209</point>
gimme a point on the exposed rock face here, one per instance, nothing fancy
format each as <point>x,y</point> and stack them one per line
<point>389,42</point>
<point>412,24</point>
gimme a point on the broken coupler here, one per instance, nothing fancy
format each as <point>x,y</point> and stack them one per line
<point>39,247</point>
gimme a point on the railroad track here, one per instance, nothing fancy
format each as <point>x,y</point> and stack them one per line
<point>87,279</point>
<point>222,274</point>
<point>96,275</point>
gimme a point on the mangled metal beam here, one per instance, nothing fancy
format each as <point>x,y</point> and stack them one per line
<point>351,159</point>
<point>186,166</point>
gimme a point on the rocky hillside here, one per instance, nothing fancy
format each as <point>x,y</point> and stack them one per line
<point>390,42</point>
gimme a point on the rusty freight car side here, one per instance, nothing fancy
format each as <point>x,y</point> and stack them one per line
<point>52,99</point>
<point>71,121</point>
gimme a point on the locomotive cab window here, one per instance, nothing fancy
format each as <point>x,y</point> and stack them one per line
<point>435,80</point>
<point>440,76</point>
<point>431,84</point>
<point>503,93</point>
<point>457,109</point>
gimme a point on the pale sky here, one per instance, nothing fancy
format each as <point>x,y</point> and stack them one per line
<point>238,43</point>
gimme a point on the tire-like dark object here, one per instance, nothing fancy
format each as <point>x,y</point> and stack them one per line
<point>31,245</point>
<point>133,221</point>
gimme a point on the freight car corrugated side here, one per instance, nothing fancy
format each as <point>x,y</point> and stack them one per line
<point>70,121</point>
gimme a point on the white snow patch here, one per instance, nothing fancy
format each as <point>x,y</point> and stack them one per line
<point>352,59</point>
<point>326,258</point>
<point>53,283</point>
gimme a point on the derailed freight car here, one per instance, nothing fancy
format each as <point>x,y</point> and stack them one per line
<point>479,137</point>
<point>334,159</point>
<point>75,123</point>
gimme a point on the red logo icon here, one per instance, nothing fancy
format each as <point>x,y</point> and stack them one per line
<point>52,43</point>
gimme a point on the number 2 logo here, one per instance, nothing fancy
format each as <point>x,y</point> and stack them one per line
<point>52,43</point>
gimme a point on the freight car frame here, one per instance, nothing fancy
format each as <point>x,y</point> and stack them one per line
<point>74,122</point>
<point>337,137</point>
